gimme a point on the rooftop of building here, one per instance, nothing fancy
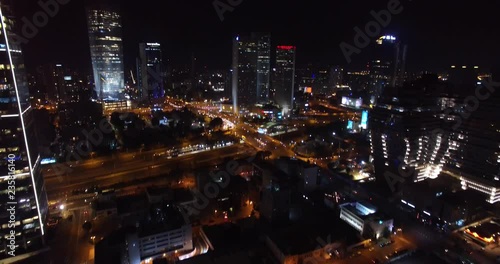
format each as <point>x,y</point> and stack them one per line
<point>486,229</point>
<point>419,257</point>
<point>297,162</point>
<point>162,218</point>
<point>463,198</point>
<point>352,208</point>
<point>131,204</point>
<point>182,195</point>
<point>370,212</point>
<point>269,167</point>
<point>317,228</point>
<point>100,205</point>
<point>108,250</point>
<point>157,190</point>
<point>233,241</point>
<point>236,257</point>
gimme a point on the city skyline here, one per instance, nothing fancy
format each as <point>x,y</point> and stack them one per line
<point>237,131</point>
<point>319,43</point>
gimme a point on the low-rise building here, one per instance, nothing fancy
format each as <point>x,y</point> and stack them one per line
<point>166,233</point>
<point>104,208</point>
<point>364,218</point>
<point>111,106</point>
<point>311,239</point>
<point>307,174</point>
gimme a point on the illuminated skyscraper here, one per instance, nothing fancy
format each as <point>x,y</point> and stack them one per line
<point>388,64</point>
<point>18,150</point>
<point>251,69</point>
<point>284,77</point>
<point>263,65</point>
<point>106,51</point>
<point>472,113</point>
<point>407,134</point>
<point>150,71</point>
<point>51,77</point>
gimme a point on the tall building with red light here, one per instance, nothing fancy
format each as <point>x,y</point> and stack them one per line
<point>284,77</point>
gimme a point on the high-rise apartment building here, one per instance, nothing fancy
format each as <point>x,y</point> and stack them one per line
<point>106,51</point>
<point>474,133</point>
<point>407,134</point>
<point>430,127</point>
<point>22,188</point>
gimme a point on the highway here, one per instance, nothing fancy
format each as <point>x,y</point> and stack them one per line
<point>123,170</point>
<point>53,170</point>
<point>137,170</point>
<point>252,137</point>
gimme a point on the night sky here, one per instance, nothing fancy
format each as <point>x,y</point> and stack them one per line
<point>438,33</point>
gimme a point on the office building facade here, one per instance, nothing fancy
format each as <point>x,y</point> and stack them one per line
<point>21,181</point>
<point>250,69</point>
<point>474,153</point>
<point>74,90</point>
<point>263,41</point>
<point>364,218</point>
<point>106,51</point>
<point>150,71</point>
<point>407,133</point>
<point>164,234</point>
<point>284,77</point>
<point>51,78</point>
<point>387,67</point>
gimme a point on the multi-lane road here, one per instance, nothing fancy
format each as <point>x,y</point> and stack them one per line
<point>125,168</point>
<point>120,168</point>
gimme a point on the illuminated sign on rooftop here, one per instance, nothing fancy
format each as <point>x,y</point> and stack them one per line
<point>286,47</point>
<point>388,37</point>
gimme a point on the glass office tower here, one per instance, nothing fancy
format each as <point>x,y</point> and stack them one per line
<point>106,51</point>
<point>387,68</point>
<point>284,79</point>
<point>18,150</point>
<point>251,69</point>
<point>150,71</point>
<point>263,41</point>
